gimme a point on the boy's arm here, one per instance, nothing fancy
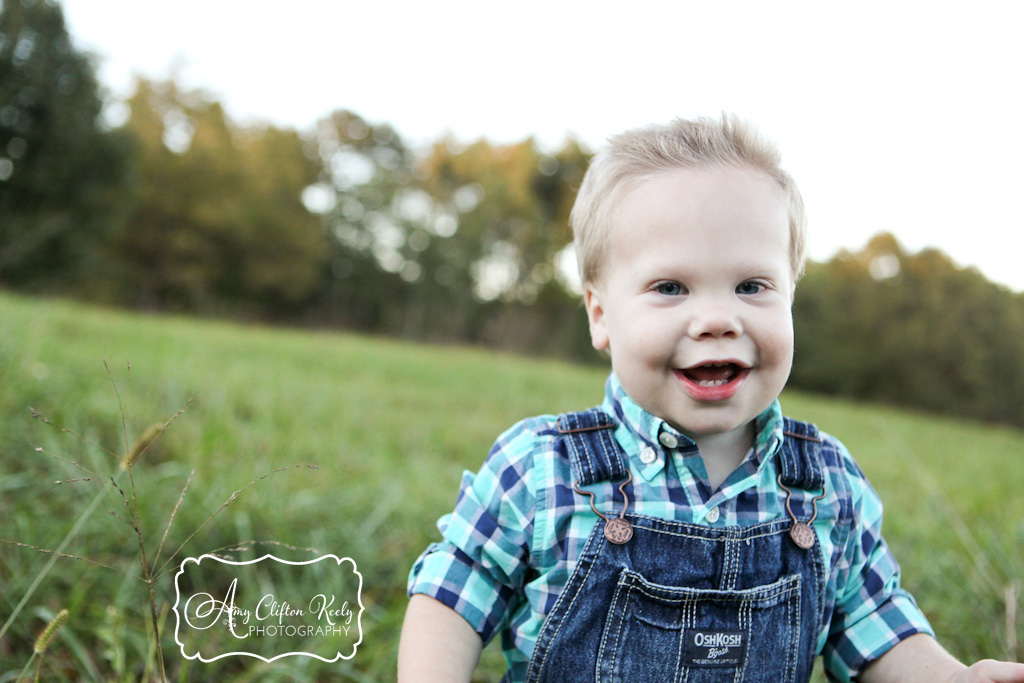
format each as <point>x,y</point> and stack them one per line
<point>921,658</point>
<point>437,645</point>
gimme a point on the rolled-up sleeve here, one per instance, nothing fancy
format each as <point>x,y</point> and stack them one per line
<point>479,567</point>
<point>872,612</point>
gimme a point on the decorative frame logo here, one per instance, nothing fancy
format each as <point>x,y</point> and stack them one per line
<point>279,605</point>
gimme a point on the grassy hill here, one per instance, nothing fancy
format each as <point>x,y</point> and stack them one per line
<point>390,426</point>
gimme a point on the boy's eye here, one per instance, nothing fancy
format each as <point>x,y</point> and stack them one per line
<point>669,288</point>
<point>750,287</point>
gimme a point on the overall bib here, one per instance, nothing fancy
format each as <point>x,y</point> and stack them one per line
<point>681,602</point>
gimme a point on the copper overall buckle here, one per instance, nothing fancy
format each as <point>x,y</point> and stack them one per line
<point>617,530</point>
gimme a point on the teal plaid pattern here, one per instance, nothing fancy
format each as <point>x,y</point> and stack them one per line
<point>512,540</point>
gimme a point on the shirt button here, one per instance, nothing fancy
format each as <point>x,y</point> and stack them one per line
<point>667,440</point>
<point>712,515</point>
<point>647,455</point>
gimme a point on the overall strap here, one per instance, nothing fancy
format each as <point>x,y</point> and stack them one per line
<point>801,463</point>
<point>594,456</point>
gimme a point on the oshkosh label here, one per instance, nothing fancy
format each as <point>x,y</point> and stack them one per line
<point>713,648</point>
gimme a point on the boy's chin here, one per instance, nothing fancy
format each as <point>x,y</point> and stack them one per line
<point>714,430</point>
<point>710,423</point>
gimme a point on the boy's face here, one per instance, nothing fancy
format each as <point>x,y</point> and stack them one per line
<point>694,298</point>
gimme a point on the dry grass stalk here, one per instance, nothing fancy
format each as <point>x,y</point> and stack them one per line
<point>142,444</point>
<point>43,641</point>
<point>1010,598</point>
<point>149,571</point>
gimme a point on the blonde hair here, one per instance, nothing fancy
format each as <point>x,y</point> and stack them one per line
<point>636,154</point>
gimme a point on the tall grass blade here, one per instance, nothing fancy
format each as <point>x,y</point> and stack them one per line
<point>79,523</point>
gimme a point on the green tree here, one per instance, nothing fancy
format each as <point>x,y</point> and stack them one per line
<point>378,221</point>
<point>507,207</point>
<point>458,245</point>
<point>506,201</point>
<point>62,173</point>
<point>218,221</point>
<point>886,325</point>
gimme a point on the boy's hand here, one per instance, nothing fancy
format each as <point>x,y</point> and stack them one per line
<point>920,659</point>
<point>990,671</point>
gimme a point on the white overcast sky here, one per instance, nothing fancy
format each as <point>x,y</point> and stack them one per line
<point>898,116</point>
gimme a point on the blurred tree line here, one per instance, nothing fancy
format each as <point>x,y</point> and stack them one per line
<point>885,325</point>
<point>178,208</point>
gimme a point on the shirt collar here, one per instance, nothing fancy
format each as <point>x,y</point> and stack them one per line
<point>640,429</point>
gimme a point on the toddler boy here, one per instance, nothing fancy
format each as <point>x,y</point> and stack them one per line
<point>684,530</point>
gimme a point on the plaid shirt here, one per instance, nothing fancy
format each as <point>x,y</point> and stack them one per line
<point>512,541</point>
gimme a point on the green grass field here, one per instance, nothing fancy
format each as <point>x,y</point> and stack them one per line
<point>391,426</point>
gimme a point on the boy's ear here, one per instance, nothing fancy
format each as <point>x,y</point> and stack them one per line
<point>596,316</point>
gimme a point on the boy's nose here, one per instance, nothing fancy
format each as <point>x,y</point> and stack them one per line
<point>714,320</point>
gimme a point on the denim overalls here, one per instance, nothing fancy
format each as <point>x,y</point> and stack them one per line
<point>682,602</point>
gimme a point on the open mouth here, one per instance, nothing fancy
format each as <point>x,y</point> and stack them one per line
<point>713,381</point>
<point>712,374</point>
